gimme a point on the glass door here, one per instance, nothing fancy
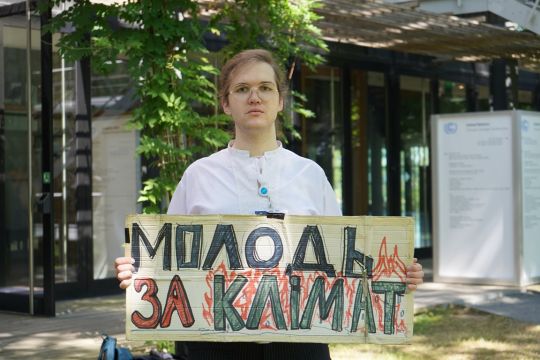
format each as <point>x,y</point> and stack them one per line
<point>368,143</point>
<point>66,244</point>
<point>322,134</point>
<point>414,155</point>
<point>48,248</point>
<point>21,233</point>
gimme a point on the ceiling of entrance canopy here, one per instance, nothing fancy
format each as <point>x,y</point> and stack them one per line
<point>404,27</point>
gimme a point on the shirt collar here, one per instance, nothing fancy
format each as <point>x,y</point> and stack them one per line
<point>245,153</point>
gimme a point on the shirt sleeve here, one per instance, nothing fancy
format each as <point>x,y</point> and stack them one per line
<point>178,204</point>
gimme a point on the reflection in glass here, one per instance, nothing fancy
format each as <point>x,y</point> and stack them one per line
<point>482,101</point>
<point>323,134</point>
<point>377,157</point>
<point>452,97</point>
<point>414,155</point>
<point>66,244</point>
<point>14,172</point>
<point>525,100</point>
<point>115,175</point>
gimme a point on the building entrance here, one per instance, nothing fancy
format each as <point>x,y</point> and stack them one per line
<point>21,228</point>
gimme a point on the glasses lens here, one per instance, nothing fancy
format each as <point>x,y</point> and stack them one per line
<point>263,91</point>
<point>266,91</point>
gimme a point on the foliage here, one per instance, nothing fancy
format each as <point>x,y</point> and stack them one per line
<point>161,345</point>
<point>163,45</point>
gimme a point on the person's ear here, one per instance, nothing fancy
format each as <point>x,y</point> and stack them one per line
<point>280,103</point>
<point>225,106</point>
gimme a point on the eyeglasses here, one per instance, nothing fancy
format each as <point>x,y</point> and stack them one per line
<point>264,91</point>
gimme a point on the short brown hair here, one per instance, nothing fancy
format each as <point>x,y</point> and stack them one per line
<point>247,56</point>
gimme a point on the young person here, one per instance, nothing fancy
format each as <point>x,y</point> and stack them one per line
<point>254,173</point>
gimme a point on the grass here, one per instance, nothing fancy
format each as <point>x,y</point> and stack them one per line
<point>455,332</point>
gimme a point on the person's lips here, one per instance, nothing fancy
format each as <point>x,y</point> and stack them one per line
<point>255,111</point>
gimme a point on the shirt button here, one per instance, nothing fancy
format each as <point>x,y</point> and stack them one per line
<point>263,191</point>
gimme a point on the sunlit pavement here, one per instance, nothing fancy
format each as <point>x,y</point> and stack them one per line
<point>515,303</point>
<point>75,333</point>
<point>522,304</point>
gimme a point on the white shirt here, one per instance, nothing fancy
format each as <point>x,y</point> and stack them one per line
<point>229,182</point>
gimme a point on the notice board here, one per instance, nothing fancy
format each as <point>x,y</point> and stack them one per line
<point>486,181</point>
<point>261,279</point>
<point>529,123</point>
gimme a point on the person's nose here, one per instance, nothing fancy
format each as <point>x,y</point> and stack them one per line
<point>254,97</point>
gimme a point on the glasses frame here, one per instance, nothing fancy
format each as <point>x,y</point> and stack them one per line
<point>255,89</point>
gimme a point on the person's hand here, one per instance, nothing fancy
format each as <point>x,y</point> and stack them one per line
<point>124,270</point>
<point>415,275</point>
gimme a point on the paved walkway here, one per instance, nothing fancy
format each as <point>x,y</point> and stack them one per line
<point>516,303</point>
<point>75,332</point>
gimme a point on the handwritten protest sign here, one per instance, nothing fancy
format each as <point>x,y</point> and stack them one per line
<point>254,278</point>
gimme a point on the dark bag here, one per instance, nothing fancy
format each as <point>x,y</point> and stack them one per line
<point>109,351</point>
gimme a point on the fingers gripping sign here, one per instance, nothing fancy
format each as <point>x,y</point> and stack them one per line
<point>124,270</point>
<point>415,275</point>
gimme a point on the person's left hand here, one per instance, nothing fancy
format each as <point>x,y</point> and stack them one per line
<point>415,275</point>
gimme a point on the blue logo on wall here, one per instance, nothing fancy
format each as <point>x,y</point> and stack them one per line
<point>524,125</point>
<point>450,128</point>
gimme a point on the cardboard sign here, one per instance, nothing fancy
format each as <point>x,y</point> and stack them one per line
<point>253,278</point>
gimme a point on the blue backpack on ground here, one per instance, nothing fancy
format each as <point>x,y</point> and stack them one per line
<point>109,351</point>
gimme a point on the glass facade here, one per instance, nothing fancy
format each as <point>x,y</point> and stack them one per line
<point>415,99</point>
<point>115,166</point>
<point>115,169</point>
<point>323,134</point>
<point>66,244</point>
<point>377,161</point>
<point>370,136</point>
<point>20,146</point>
<point>482,100</point>
<point>452,98</point>
<point>368,142</point>
<point>525,100</point>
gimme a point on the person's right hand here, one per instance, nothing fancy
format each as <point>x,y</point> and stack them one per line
<point>124,270</point>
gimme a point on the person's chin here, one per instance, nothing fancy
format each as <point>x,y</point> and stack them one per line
<point>256,123</point>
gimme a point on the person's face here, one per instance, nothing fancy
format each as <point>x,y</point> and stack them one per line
<point>253,100</point>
